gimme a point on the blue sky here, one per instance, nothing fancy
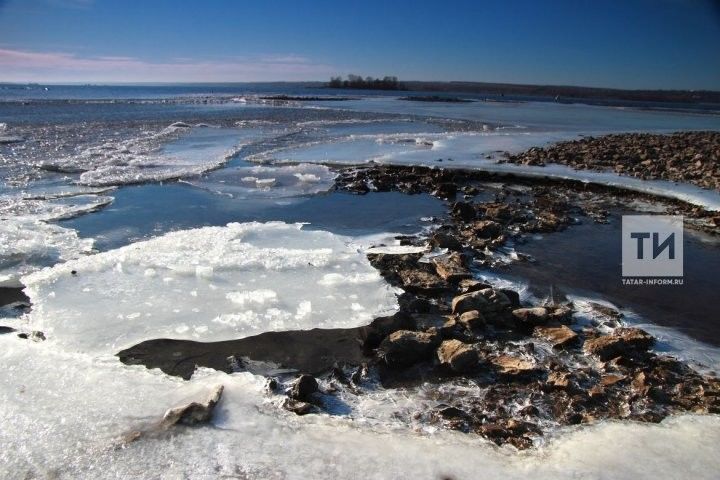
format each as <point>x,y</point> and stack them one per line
<point>612,43</point>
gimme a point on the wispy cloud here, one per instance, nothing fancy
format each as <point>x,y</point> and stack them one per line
<point>35,66</point>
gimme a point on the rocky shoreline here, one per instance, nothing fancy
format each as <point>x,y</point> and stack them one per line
<point>532,367</point>
<point>690,157</point>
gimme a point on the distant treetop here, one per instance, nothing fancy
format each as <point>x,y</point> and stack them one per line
<point>367,83</point>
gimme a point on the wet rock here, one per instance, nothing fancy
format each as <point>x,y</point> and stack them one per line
<point>381,327</point>
<point>445,240</point>
<point>511,365</point>
<point>622,341</point>
<point>472,320</point>
<point>463,211</point>
<point>446,191</point>
<point>194,412</point>
<point>404,348</point>
<point>4,329</point>
<point>299,407</point>
<point>513,296</point>
<point>472,285</point>
<point>609,380</point>
<point>499,211</point>
<point>457,356</point>
<point>466,302</point>
<point>530,317</point>
<point>303,388</point>
<point>559,379</point>
<point>486,229</point>
<point>559,337</point>
<point>421,280</point>
<point>451,267</point>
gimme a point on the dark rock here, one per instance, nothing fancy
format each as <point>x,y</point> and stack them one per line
<point>303,388</point>
<point>299,407</point>
<point>472,285</point>
<point>513,296</point>
<point>446,191</point>
<point>381,327</point>
<point>530,317</point>
<point>486,229</point>
<point>445,240</point>
<point>4,329</point>
<point>463,211</point>
<point>514,366</point>
<point>405,347</point>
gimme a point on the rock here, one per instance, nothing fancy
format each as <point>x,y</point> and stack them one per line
<point>472,320</point>
<point>559,379</point>
<point>419,280</point>
<point>446,191</point>
<point>472,285</point>
<point>559,337</point>
<point>404,347</point>
<point>193,413</point>
<point>466,302</point>
<point>487,229</point>
<point>499,211</point>
<point>299,407</point>
<point>451,267</point>
<point>463,211</point>
<point>381,327</point>
<point>445,240</point>
<point>530,317</point>
<point>621,342</point>
<point>510,365</point>
<point>458,356</point>
<point>303,388</point>
<point>513,296</point>
<point>560,314</point>
<point>4,329</point>
<point>609,380</point>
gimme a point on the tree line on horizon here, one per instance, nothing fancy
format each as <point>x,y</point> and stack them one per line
<point>367,83</point>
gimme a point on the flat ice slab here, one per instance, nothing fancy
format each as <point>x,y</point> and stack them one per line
<point>209,284</point>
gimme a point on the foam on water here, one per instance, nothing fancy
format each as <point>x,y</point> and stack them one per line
<point>209,284</point>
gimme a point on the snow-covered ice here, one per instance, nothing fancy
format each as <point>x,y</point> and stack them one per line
<point>213,283</point>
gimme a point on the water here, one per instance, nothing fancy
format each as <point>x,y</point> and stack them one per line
<point>131,187</point>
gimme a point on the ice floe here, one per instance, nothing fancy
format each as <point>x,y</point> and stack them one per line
<point>267,181</point>
<point>213,283</point>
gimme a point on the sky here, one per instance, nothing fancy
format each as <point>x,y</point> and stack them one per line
<point>667,44</point>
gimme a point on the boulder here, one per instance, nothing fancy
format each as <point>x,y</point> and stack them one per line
<point>559,337</point>
<point>487,229</point>
<point>472,320</point>
<point>530,317</point>
<point>303,388</point>
<point>404,347</point>
<point>466,302</point>
<point>471,285</point>
<point>623,341</point>
<point>463,211</point>
<point>445,190</point>
<point>420,280</point>
<point>457,356</point>
<point>298,407</point>
<point>511,365</point>
<point>445,240</point>
<point>451,267</point>
<point>194,412</point>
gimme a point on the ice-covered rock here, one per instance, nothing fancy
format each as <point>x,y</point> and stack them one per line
<point>213,283</point>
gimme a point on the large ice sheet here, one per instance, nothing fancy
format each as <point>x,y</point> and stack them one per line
<point>267,181</point>
<point>213,283</point>
<point>63,416</point>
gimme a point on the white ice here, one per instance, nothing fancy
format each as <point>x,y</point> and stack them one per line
<point>267,181</point>
<point>27,245</point>
<point>213,283</point>
<point>477,151</point>
<point>63,415</point>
